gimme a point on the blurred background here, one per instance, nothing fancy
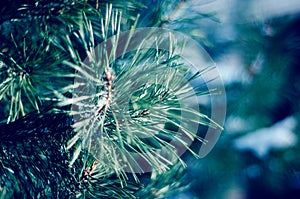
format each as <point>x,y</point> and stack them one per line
<point>256,45</point>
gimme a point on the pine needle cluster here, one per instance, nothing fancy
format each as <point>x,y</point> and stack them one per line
<point>86,118</point>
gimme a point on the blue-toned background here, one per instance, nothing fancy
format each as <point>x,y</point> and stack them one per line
<point>256,45</point>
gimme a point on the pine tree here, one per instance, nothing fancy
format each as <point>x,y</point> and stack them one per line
<point>85,117</point>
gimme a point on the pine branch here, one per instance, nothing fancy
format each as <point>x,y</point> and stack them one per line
<point>115,115</point>
<point>33,159</point>
<point>35,163</point>
<point>166,185</point>
<point>131,123</point>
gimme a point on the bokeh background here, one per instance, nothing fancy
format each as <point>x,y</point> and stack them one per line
<point>256,45</point>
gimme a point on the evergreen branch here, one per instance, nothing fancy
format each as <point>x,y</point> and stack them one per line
<point>33,161</point>
<point>35,164</point>
<point>23,77</point>
<point>122,112</point>
<point>166,185</point>
<point>115,116</point>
